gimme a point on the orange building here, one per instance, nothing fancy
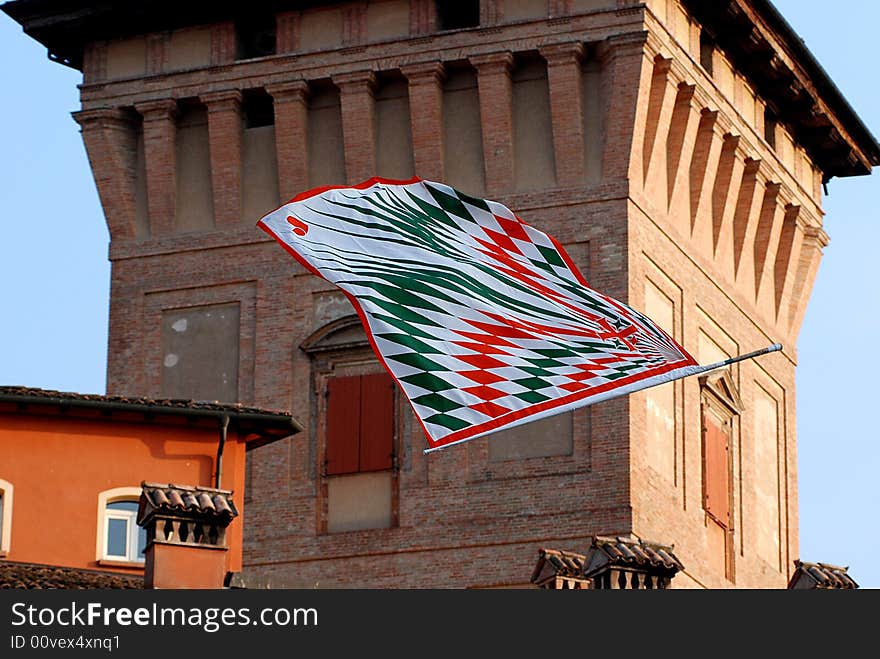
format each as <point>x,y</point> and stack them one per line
<point>72,466</point>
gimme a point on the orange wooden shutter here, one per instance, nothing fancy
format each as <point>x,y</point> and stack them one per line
<point>376,422</point>
<point>717,478</point>
<point>343,420</point>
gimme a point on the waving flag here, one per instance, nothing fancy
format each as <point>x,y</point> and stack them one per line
<point>484,321</point>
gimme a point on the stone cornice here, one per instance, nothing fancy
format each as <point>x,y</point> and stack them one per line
<point>162,109</point>
<point>424,72</point>
<point>355,81</point>
<point>104,117</point>
<point>499,61</point>
<point>562,53</point>
<point>224,100</point>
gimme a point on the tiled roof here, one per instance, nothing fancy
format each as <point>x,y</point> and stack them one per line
<point>36,576</point>
<point>558,569</point>
<point>562,563</point>
<point>820,576</point>
<point>186,501</point>
<point>16,392</point>
<point>266,425</point>
<point>628,553</point>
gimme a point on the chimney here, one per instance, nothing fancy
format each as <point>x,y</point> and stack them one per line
<point>186,535</point>
<point>560,570</point>
<point>625,563</point>
<point>611,563</point>
<point>820,576</point>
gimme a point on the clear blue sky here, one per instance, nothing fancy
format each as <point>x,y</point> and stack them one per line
<point>55,275</point>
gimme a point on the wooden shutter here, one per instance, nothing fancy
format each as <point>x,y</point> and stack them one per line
<point>343,420</point>
<point>376,422</point>
<point>716,478</point>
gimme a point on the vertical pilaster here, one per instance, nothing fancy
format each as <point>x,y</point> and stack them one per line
<point>657,117</point>
<point>566,111</point>
<point>358,126</point>
<point>354,24</point>
<point>724,197</point>
<point>784,213</point>
<point>223,43</point>
<point>787,257</point>
<point>287,31</point>
<point>291,139</point>
<point>426,118</point>
<point>156,52</point>
<point>813,241</point>
<point>711,135</point>
<point>745,220</point>
<point>491,12</point>
<point>422,17</point>
<point>767,238</point>
<point>496,118</point>
<point>161,163</point>
<point>663,137</point>
<point>557,8</point>
<point>95,62</point>
<point>680,139</point>
<point>624,60</point>
<point>109,137</point>
<point>224,134</point>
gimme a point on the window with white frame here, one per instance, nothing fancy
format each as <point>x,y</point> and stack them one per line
<point>124,540</point>
<point>5,515</point>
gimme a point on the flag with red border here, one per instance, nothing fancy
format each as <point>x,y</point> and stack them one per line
<point>483,320</point>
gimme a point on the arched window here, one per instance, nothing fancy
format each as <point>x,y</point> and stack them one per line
<point>120,539</point>
<point>356,409</point>
<point>5,515</point>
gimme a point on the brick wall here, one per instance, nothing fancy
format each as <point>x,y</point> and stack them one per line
<point>656,172</point>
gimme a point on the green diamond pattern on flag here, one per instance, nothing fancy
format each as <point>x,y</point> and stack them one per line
<point>483,320</point>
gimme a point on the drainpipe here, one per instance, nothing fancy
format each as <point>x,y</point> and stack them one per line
<point>224,425</point>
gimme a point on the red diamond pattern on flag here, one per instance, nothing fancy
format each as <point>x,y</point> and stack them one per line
<point>483,320</point>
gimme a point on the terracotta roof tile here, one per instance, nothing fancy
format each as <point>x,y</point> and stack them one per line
<point>557,563</point>
<point>624,552</point>
<point>820,576</point>
<point>185,501</point>
<point>37,576</point>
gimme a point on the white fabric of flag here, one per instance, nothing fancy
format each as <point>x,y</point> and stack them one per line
<point>483,320</point>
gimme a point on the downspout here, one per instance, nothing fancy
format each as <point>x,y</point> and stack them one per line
<point>224,425</point>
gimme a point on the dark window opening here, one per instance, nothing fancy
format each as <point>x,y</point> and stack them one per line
<point>707,48</point>
<point>360,424</point>
<point>257,109</point>
<point>770,127</point>
<point>255,37</point>
<point>458,15</point>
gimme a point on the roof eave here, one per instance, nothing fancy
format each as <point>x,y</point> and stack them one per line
<point>754,34</point>
<point>267,427</point>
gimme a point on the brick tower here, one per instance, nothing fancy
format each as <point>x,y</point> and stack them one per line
<point>676,147</point>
